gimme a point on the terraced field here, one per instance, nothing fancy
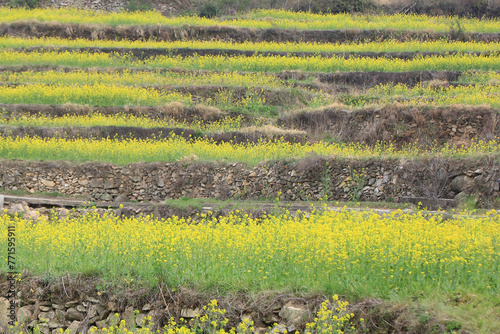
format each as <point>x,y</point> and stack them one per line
<point>268,105</point>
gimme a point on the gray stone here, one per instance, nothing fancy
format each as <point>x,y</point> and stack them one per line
<point>24,314</point>
<point>72,303</point>
<point>73,328</point>
<point>139,319</point>
<point>46,315</point>
<point>72,314</point>
<point>4,313</point>
<point>461,183</point>
<point>128,316</point>
<point>106,197</point>
<point>97,183</point>
<point>190,313</point>
<point>48,183</point>
<point>121,198</point>
<point>293,314</point>
<point>56,323</point>
<point>110,184</point>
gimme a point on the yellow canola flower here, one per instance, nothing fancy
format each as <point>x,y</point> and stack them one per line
<point>402,250</point>
<point>313,47</point>
<point>142,78</point>
<point>255,63</point>
<point>98,119</point>
<point>97,94</point>
<point>258,19</point>
<point>175,148</point>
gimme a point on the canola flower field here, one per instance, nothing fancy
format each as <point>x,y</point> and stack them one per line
<point>259,19</point>
<point>311,47</point>
<point>175,148</point>
<point>255,63</point>
<point>128,77</point>
<point>98,119</point>
<point>357,253</point>
<point>396,256</point>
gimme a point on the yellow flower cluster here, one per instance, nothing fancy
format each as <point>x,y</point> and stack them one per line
<point>360,252</point>
<point>440,95</point>
<point>313,47</point>
<point>98,119</point>
<point>259,19</point>
<point>96,95</point>
<point>175,148</point>
<point>256,63</point>
<point>142,78</point>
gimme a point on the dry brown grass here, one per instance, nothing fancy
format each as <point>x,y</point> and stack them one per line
<point>272,131</point>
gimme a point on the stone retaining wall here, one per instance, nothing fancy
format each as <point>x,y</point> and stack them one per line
<point>307,179</point>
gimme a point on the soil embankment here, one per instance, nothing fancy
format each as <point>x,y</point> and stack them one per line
<point>168,33</point>
<point>78,303</point>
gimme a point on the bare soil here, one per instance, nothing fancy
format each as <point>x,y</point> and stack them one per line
<point>173,111</point>
<point>124,132</point>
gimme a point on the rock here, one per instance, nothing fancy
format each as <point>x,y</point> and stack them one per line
<point>46,315</point>
<point>270,318</point>
<point>45,308</point>
<point>92,312</point>
<point>139,320</point>
<point>121,198</point>
<point>72,314</point>
<point>112,306</point>
<point>5,313</point>
<point>97,183</point>
<point>48,183</point>
<point>72,303</point>
<point>24,314</point>
<point>461,183</point>
<point>92,300</point>
<point>83,182</point>
<point>461,196</point>
<point>190,313</point>
<point>100,309</point>
<point>110,184</point>
<point>293,314</point>
<point>128,316</point>
<point>56,323</point>
<point>73,328</point>
<point>32,214</point>
<point>106,197</point>
<point>16,208</point>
